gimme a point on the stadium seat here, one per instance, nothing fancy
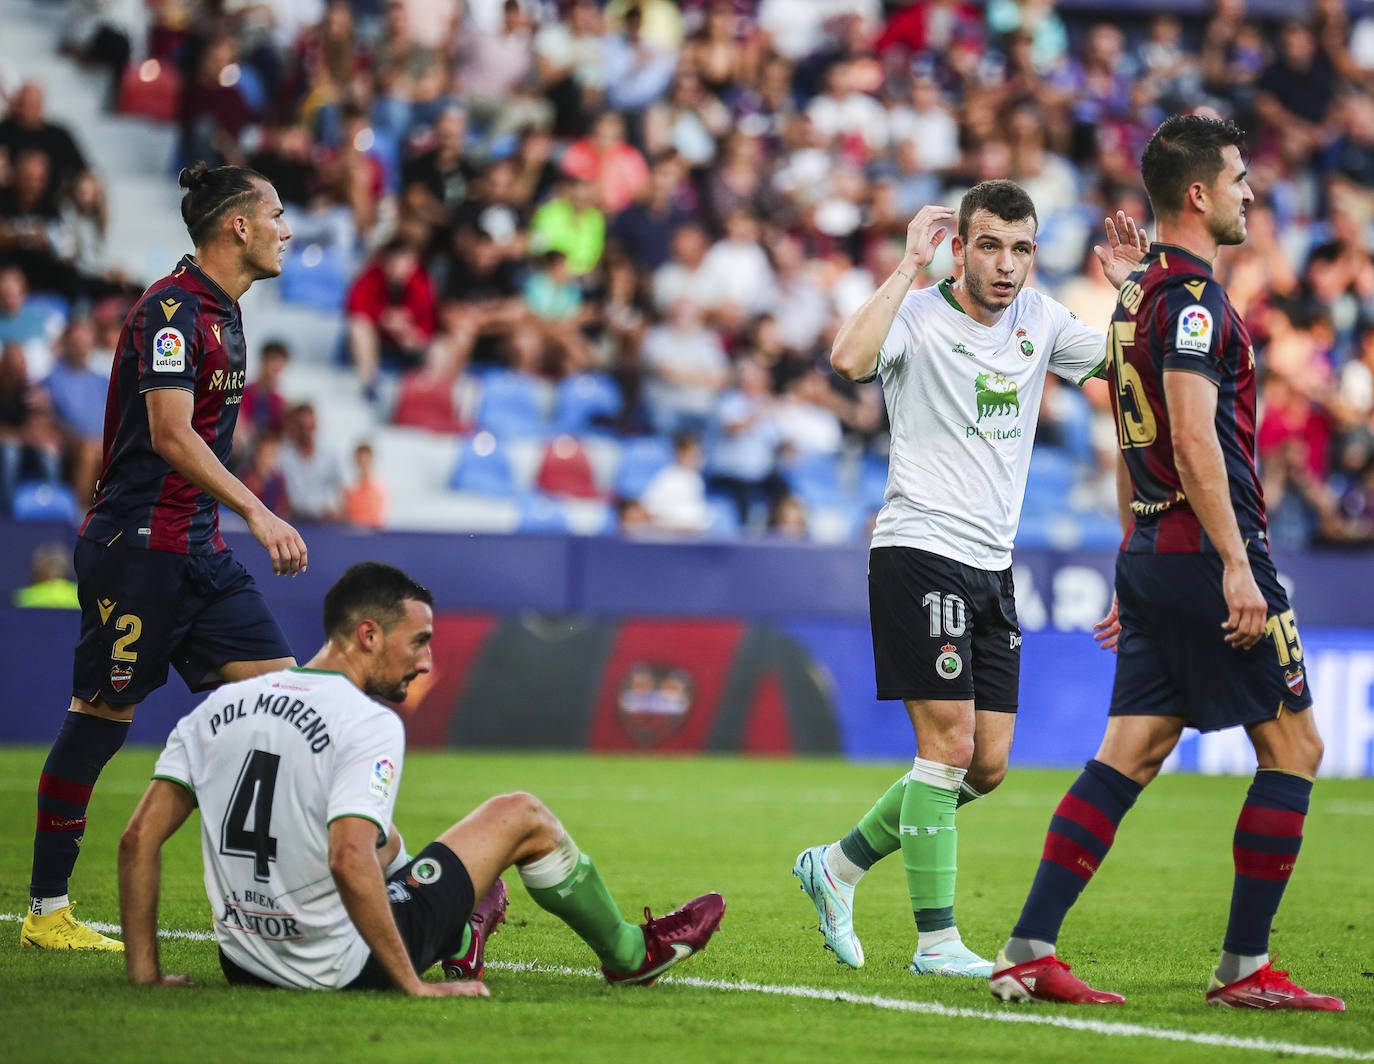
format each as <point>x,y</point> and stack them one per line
<point>724,523</point>
<point>872,481</point>
<point>540,513</point>
<point>315,275</point>
<point>565,470</point>
<point>1051,480</point>
<point>585,402</point>
<point>483,467</point>
<point>511,405</point>
<point>151,90</point>
<point>426,402</point>
<point>815,479</point>
<point>44,501</point>
<point>640,459</point>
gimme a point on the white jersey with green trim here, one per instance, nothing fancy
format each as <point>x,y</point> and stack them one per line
<point>962,400</point>
<point>271,762</point>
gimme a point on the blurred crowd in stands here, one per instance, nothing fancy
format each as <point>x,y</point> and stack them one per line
<point>645,220</point>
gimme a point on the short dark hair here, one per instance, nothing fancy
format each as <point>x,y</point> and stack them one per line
<point>370,590</point>
<point>1184,149</point>
<point>210,194</point>
<point>1006,199</point>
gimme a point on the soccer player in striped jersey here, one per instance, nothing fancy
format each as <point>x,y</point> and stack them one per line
<point>1201,626</point>
<point>157,584</point>
<point>963,366</point>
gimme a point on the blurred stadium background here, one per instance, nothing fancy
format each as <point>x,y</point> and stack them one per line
<point>553,328</point>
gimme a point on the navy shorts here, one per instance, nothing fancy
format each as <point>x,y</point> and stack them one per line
<point>1173,660</point>
<point>431,900</point>
<point>143,610</point>
<point>943,630</point>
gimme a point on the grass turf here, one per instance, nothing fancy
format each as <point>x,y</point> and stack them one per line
<point>662,830</point>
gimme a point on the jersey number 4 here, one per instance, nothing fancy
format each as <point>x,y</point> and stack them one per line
<point>247,827</point>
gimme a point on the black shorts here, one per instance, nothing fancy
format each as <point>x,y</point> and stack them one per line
<point>943,630</point>
<point>143,610</point>
<point>431,900</point>
<point>1173,660</point>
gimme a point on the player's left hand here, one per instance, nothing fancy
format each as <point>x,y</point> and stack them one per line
<point>1107,631</point>
<point>1126,248</point>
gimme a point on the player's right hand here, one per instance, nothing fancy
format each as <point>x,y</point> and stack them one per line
<point>1244,624</point>
<point>926,232</point>
<point>453,988</point>
<point>282,543</point>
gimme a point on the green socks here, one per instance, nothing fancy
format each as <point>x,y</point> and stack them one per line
<point>929,842</point>
<point>879,832</point>
<point>566,883</point>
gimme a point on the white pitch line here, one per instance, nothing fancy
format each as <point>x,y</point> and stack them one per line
<point>877,1001</point>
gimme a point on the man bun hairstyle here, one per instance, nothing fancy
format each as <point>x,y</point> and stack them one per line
<point>1184,150</point>
<point>370,591</point>
<point>1006,199</point>
<point>211,194</point>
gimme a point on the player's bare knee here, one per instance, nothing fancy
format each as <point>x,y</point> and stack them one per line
<point>985,778</point>
<point>532,819</point>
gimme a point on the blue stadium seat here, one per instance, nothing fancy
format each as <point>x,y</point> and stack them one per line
<point>640,458</point>
<point>1051,481</point>
<point>815,478</point>
<point>315,275</point>
<point>724,522</point>
<point>872,481</point>
<point>44,501</point>
<point>510,406</point>
<point>542,513</point>
<point>483,467</point>
<point>583,398</point>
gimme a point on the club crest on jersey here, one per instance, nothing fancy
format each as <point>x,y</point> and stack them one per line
<point>120,676</point>
<point>383,775</point>
<point>169,351</point>
<point>1296,679</point>
<point>949,664</point>
<point>1027,348</point>
<point>424,872</point>
<point>1194,330</point>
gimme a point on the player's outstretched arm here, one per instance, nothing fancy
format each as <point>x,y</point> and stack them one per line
<point>164,808</point>
<point>353,863</point>
<point>854,355</point>
<point>1192,400</point>
<point>1126,247</point>
<point>174,438</point>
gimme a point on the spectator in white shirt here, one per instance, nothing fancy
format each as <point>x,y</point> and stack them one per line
<point>314,473</point>
<point>685,368</point>
<point>675,498</point>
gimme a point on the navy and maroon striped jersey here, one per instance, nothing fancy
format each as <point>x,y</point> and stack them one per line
<point>1173,315</point>
<point>184,332</point>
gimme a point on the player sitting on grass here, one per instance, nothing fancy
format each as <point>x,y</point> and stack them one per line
<point>296,774</point>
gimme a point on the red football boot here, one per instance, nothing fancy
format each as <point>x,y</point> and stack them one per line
<point>487,916</point>
<point>1047,979</point>
<point>1269,988</point>
<point>672,938</point>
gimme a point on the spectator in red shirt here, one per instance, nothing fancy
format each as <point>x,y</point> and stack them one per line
<point>616,168</point>
<point>391,314</point>
<point>262,411</point>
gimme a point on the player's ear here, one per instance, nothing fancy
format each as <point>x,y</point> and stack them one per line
<point>369,634</point>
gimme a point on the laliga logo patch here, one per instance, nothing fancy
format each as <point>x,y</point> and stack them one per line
<point>1194,330</point>
<point>424,872</point>
<point>949,664</point>
<point>1295,679</point>
<point>120,677</point>
<point>169,351</point>
<point>383,773</point>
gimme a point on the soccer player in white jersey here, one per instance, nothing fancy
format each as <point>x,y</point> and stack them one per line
<point>963,366</point>
<point>296,774</point>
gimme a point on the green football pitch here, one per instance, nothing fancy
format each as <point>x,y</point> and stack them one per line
<point>663,830</point>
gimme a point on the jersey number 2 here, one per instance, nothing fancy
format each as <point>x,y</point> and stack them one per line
<point>247,826</point>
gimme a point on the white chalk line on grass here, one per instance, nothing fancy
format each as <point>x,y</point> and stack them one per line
<point>878,1001</point>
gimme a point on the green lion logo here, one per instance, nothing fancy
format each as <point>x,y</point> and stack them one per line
<point>996,395</point>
